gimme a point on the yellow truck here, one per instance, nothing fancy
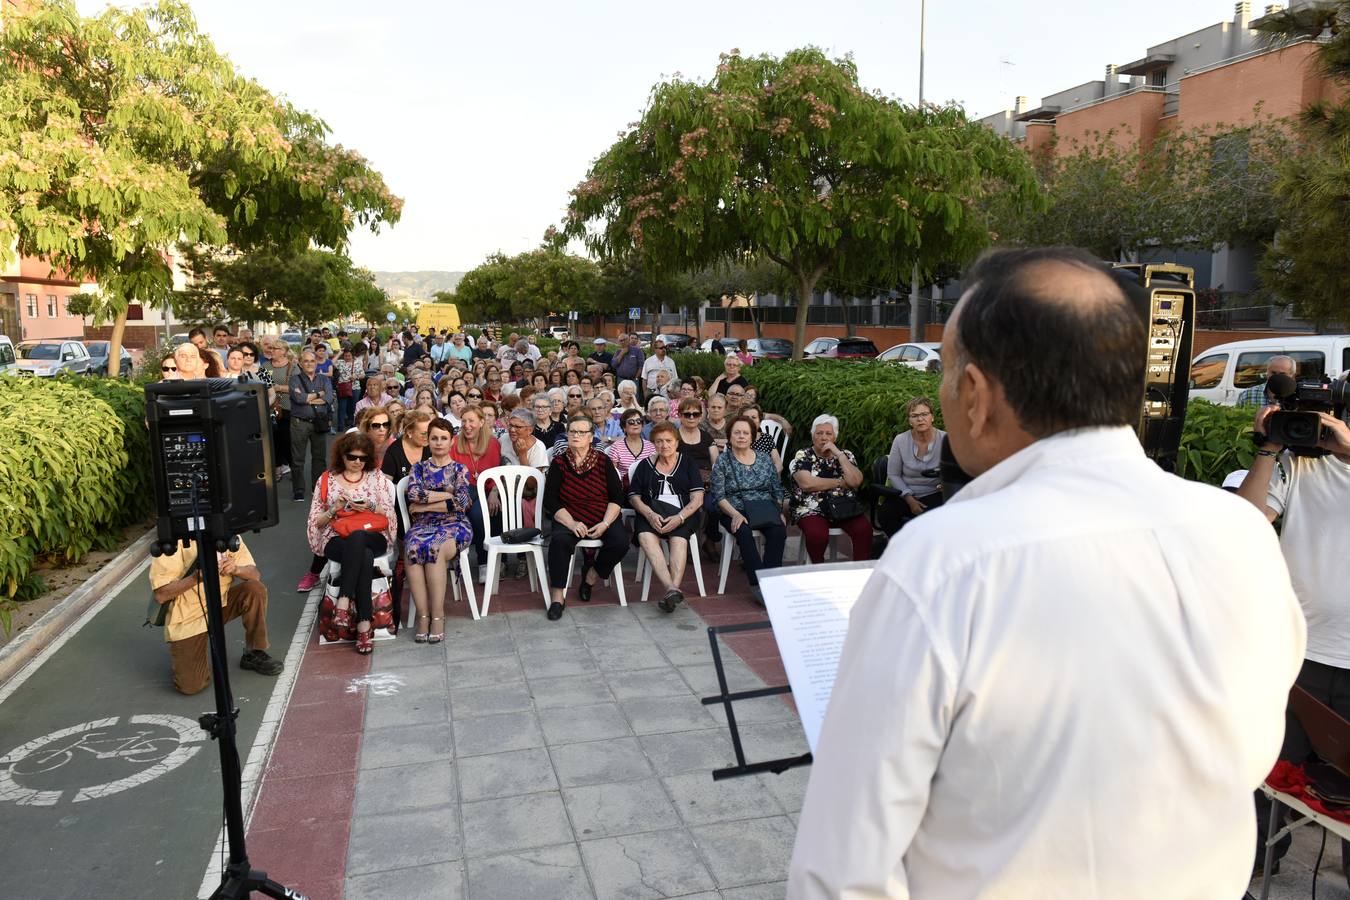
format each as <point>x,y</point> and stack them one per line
<point>435,316</point>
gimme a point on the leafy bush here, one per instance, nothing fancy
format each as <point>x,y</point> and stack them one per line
<point>705,365</point>
<point>62,483</point>
<point>868,399</point>
<point>1217,440</point>
<point>134,481</point>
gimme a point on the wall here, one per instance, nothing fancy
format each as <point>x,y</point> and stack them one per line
<point>135,337</point>
<point>1134,117</point>
<point>43,325</point>
<point>1283,83</point>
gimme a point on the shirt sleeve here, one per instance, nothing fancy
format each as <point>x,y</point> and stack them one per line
<point>637,485</point>
<point>613,485</point>
<point>870,780</point>
<point>1277,493</point>
<point>718,480</point>
<point>298,395</point>
<point>553,488</point>
<point>894,467</point>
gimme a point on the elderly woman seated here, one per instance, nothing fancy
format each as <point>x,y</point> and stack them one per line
<point>749,498</point>
<point>825,483</point>
<point>658,411</point>
<point>583,497</point>
<point>914,467</point>
<point>666,491</point>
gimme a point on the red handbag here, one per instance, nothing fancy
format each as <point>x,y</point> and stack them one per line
<point>348,521</point>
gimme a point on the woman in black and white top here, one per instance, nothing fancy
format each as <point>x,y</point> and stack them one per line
<point>666,491</point>
<point>913,467</point>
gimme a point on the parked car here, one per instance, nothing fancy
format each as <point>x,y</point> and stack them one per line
<point>840,348</point>
<point>1223,372</point>
<point>769,348</point>
<point>728,344</point>
<point>180,338</point>
<point>9,364</point>
<point>916,356</point>
<point>676,341</point>
<point>98,360</point>
<point>292,337</point>
<point>559,332</point>
<point>51,356</point>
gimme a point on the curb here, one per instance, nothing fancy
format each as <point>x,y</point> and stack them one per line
<point>19,652</point>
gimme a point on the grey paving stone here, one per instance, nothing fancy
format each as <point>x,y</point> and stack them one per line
<point>592,615</point>
<point>550,639</point>
<point>702,680</point>
<point>641,866</point>
<point>577,724</point>
<point>659,715</point>
<point>757,711</point>
<point>773,740</point>
<point>752,851</point>
<point>506,775</point>
<point>490,700</point>
<point>399,788</point>
<point>616,634</point>
<point>662,682</point>
<point>419,709</point>
<point>618,759</point>
<point>775,890</point>
<point>404,839</point>
<point>444,881</point>
<point>480,672</point>
<point>458,625</point>
<point>574,690</point>
<point>403,653</point>
<point>605,810</point>
<point>514,823</point>
<point>497,734</point>
<point>789,788</point>
<point>549,873</point>
<point>405,745</point>
<point>417,681</point>
<point>478,646</point>
<point>701,801</point>
<point>693,653</point>
<point>626,657</point>
<point>690,751</point>
<point>556,664</point>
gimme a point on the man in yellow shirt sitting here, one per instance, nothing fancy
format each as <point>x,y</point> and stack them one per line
<point>176,580</point>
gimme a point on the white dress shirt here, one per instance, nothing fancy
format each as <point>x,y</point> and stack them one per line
<point>1064,683</point>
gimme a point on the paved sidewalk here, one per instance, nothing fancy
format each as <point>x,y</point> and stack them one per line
<point>528,758</point>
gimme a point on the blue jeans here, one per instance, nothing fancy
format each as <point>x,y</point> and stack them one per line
<point>346,413</point>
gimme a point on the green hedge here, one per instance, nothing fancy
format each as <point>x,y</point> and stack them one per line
<point>134,482</point>
<point>705,365</point>
<point>869,400</point>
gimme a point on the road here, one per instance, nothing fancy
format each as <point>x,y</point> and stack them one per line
<point>126,804</point>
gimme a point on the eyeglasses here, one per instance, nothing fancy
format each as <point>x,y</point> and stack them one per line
<point>356,457</point>
<point>693,414</point>
<point>384,424</point>
<point>517,425</point>
<point>576,396</point>
<point>475,396</point>
<point>249,355</point>
<point>168,368</point>
<point>572,432</point>
<point>627,422</point>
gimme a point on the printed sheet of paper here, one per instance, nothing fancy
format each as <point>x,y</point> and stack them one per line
<point>809,607</point>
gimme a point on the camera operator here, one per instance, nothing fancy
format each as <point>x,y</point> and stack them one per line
<point>1312,492</point>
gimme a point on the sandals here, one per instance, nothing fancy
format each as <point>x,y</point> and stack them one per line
<point>365,641</point>
<point>342,617</point>
<point>420,637</point>
<point>436,638</point>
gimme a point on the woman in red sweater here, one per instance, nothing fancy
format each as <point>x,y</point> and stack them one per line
<point>476,450</point>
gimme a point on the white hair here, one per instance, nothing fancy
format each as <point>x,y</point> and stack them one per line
<point>557,392</point>
<point>628,383</point>
<point>655,400</point>
<point>826,419</point>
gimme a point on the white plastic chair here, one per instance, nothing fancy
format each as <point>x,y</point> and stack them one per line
<point>728,547</point>
<point>775,430</point>
<point>465,574</point>
<point>616,577</point>
<point>831,548</point>
<point>511,482</point>
<point>645,566</point>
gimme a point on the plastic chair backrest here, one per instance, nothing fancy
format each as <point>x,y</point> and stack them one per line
<point>403,514</point>
<point>775,430</point>
<point>511,482</point>
<point>879,469</point>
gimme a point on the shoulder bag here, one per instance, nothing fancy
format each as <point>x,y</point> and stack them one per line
<point>762,513</point>
<point>349,521</point>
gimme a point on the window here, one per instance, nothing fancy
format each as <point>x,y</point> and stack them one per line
<point>1345,360</point>
<point>1207,372</point>
<point>135,312</point>
<point>51,306</point>
<point>1251,366</point>
<point>6,355</point>
<point>32,305</point>
<point>912,354</point>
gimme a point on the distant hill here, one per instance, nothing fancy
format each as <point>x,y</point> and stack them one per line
<point>417,284</point>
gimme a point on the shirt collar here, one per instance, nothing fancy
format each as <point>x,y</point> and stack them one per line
<point>1074,447</point>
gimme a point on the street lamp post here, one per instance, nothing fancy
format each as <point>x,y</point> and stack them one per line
<point>916,313</point>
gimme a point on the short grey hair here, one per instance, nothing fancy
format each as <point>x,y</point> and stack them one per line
<point>655,400</point>
<point>523,415</point>
<point>1287,360</point>
<point>557,392</point>
<point>522,346</point>
<point>628,383</point>
<point>825,419</point>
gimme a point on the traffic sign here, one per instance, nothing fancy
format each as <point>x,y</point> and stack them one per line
<point>634,312</point>
<point>572,316</point>
<point>392,316</point>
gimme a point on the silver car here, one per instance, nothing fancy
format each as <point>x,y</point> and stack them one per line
<point>53,356</point>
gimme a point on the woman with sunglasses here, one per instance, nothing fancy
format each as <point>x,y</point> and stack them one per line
<point>574,405</point>
<point>374,422</point>
<point>590,511</point>
<point>631,447</point>
<point>354,484</point>
<point>695,443</point>
<point>438,504</point>
<point>168,369</point>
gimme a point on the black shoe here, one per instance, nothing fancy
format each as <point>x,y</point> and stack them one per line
<point>756,595</point>
<point>260,662</point>
<point>585,591</point>
<point>672,599</point>
<point>299,497</point>
<point>555,611</point>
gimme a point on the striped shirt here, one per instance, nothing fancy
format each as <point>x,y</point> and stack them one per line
<point>585,494</point>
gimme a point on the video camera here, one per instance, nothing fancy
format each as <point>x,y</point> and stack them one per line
<point>1298,425</point>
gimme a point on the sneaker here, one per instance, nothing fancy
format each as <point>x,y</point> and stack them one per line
<point>260,662</point>
<point>283,471</point>
<point>299,497</point>
<point>307,583</point>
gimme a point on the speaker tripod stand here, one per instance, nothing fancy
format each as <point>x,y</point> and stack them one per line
<point>240,880</point>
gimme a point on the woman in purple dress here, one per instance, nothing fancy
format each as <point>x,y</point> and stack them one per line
<point>438,503</point>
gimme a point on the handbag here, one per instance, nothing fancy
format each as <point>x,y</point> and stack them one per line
<point>520,535</point>
<point>349,521</point>
<point>837,508</point>
<point>762,513</point>
<point>344,389</point>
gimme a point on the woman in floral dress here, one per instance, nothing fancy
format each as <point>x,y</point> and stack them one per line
<point>438,501</point>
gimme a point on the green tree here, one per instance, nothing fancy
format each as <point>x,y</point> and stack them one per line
<point>124,134</point>
<point>307,288</point>
<point>1306,264</point>
<point>791,159</point>
<point>527,286</point>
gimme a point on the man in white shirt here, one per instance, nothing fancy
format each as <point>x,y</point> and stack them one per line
<point>1312,492</point>
<point>658,362</point>
<point>1065,682</point>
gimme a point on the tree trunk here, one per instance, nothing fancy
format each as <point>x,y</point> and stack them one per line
<point>806,288</point>
<point>752,306</point>
<point>115,344</point>
<point>848,321</point>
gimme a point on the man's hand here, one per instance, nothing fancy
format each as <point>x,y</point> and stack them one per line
<point>1259,425</point>
<point>1335,435</point>
<point>228,567</point>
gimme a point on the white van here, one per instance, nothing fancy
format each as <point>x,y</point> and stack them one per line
<point>1223,372</point>
<point>9,363</point>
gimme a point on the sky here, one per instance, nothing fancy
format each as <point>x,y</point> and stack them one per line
<point>483,115</point>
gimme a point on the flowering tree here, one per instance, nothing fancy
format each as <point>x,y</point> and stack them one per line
<point>125,134</point>
<point>527,286</point>
<point>790,158</point>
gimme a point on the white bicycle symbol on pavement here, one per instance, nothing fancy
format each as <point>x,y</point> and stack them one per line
<point>100,740</point>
